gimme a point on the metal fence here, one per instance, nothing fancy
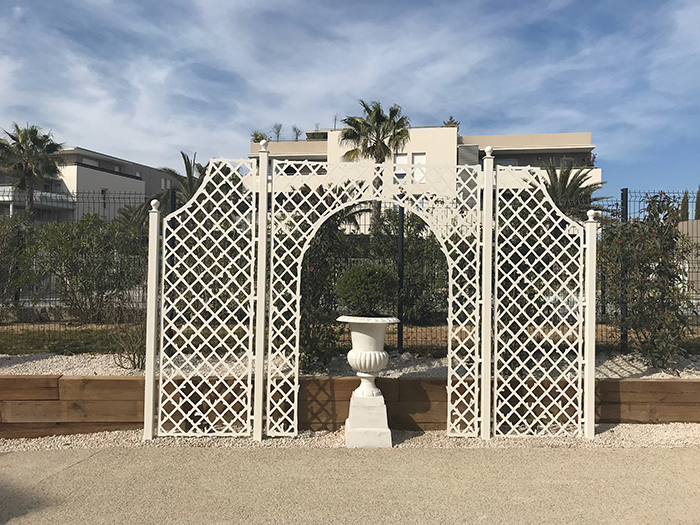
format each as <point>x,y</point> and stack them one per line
<point>35,317</point>
<point>62,268</point>
<point>630,206</point>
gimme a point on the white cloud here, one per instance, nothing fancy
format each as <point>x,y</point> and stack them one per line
<point>144,80</point>
<point>675,65</point>
<point>8,71</point>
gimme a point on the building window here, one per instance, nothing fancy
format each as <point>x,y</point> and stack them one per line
<point>91,162</point>
<point>168,183</point>
<point>400,173</point>
<point>567,161</point>
<point>419,173</point>
<point>138,174</point>
<point>104,198</point>
<point>117,169</point>
<point>47,186</point>
<point>162,183</point>
<point>506,162</point>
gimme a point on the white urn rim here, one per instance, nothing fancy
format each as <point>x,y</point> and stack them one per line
<point>369,320</point>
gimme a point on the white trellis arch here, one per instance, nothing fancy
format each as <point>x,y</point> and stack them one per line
<point>448,198</point>
<point>521,337</point>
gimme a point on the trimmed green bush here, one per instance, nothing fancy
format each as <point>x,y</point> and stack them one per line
<point>367,289</point>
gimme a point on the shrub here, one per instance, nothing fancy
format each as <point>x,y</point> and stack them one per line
<point>128,337</point>
<point>95,265</point>
<point>656,256</point>
<point>318,330</point>
<point>425,266</point>
<point>367,289</point>
<point>15,259</point>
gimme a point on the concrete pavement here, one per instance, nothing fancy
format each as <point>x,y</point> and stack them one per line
<point>424,486</point>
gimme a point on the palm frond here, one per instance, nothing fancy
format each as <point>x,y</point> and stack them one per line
<point>376,135</point>
<point>571,189</point>
<point>29,155</point>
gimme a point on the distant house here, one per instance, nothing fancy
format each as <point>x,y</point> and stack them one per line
<point>90,182</point>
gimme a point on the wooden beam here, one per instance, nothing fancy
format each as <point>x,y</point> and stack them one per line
<point>103,388</point>
<point>71,411</point>
<point>34,430</point>
<point>25,387</point>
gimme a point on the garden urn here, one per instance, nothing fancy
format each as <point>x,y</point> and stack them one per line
<point>367,424</point>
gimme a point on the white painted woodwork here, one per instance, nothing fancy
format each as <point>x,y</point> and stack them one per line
<point>151,321</point>
<point>518,351</point>
<point>538,311</point>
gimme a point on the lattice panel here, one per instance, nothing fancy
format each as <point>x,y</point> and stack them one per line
<point>207,307</point>
<point>304,195</point>
<point>538,311</point>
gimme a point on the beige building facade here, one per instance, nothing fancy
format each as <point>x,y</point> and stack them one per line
<point>90,182</point>
<point>443,146</point>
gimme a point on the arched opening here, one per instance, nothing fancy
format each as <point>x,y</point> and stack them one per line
<point>446,199</point>
<point>342,241</point>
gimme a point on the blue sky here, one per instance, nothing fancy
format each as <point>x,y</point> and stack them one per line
<point>144,80</point>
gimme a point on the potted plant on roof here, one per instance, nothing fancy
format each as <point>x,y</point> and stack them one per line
<point>365,291</point>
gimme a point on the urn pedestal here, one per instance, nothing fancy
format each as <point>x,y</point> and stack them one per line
<point>367,425</point>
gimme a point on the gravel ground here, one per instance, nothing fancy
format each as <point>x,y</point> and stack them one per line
<point>71,365</point>
<point>400,365</point>
<point>672,435</point>
<point>405,365</point>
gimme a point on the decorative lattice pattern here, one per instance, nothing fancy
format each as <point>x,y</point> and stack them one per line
<point>305,195</point>
<point>207,307</point>
<point>538,311</point>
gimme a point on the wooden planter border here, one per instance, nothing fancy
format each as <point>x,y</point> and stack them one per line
<point>32,406</point>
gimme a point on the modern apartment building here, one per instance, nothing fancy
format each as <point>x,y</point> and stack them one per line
<point>443,146</point>
<point>90,182</point>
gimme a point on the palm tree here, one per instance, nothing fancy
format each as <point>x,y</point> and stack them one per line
<point>258,136</point>
<point>29,156</point>
<point>571,189</point>
<point>134,219</point>
<point>375,136</point>
<point>191,181</point>
<point>277,130</point>
<point>451,123</point>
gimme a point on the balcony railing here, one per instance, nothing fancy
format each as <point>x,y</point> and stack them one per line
<point>42,199</point>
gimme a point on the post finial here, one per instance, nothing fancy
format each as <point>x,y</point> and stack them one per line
<point>591,215</point>
<point>263,145</point>
<point>488,150</point>
<point>155,204</point>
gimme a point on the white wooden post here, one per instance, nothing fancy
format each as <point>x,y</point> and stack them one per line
<point>151,321</point>
<point>589,341</point>
<point>259,383</point>
<point>486,292</point>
